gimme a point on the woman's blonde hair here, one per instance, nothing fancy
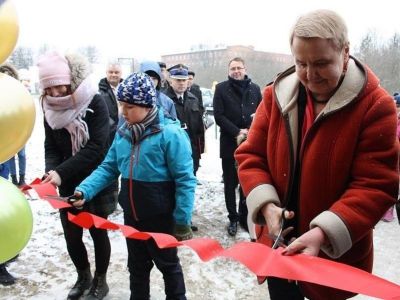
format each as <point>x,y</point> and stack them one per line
<point>324,24</point>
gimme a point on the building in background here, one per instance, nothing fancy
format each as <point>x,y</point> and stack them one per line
<point>210,64</point>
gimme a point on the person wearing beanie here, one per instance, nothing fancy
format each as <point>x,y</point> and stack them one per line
<point>77,129</point>
<point>152,154</point>
<point>152,69</point>
<point>10,70</point>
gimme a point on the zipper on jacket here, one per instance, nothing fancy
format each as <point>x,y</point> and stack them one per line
<point>132,156</point>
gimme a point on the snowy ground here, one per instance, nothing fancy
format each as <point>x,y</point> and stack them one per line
<point>44,270</point>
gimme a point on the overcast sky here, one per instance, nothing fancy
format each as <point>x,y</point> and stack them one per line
<point>150,28</point>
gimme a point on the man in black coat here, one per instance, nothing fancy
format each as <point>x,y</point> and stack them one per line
<point>235,101</point>
<point>107,88</point>
<point>194,88</point>
<point>188,109</point>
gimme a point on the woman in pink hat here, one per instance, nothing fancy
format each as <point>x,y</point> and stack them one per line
<point>76,122</point>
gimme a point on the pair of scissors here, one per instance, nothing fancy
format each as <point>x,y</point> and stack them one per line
<point>68,199</point>
<point>279,239</point>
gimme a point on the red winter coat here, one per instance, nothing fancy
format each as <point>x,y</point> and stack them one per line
<point>349,157</point>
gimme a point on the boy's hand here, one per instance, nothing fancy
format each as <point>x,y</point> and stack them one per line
<point>77,200</point>
<point>183,232</point>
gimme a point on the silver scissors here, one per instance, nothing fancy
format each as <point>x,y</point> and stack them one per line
<point>279,239</point>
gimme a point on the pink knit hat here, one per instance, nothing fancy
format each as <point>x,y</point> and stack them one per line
<point>53,70</point>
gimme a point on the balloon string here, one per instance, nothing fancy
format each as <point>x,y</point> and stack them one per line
<point>258,258</point>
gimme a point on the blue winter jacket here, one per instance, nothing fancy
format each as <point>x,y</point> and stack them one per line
<point>156,173</point>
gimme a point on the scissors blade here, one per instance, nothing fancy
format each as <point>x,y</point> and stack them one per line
<point>64,199</point>
<point>68,199</point>
<point>279,239</point>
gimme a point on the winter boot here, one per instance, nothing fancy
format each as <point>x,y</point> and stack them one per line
<point>232,228</point>
<point>14,179</point>
<point>82,283</point>
<point>5,277</point>
<point>21,180</point>
<point>99,287</point>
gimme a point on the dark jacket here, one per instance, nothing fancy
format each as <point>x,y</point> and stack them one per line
<point>190,113</point>
<point>233,107</point>
<point>111,101</point>
<point>73,169</point>
<point>195,90</point>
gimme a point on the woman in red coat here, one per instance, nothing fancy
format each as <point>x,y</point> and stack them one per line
<point>323,146</point>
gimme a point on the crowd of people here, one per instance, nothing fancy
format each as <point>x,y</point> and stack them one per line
<point>313,157</point>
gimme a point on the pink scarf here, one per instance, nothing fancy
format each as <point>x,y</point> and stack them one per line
<point>64,112</point>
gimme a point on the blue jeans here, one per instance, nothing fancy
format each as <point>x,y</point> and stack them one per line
<point>21,163</point>
<point>4,170</point>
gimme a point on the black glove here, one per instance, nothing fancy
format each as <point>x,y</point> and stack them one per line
<point>183,232</point>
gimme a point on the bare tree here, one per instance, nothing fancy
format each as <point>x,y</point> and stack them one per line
<point>91,52</point>
<point>22,57</point>
<point>383,58</point>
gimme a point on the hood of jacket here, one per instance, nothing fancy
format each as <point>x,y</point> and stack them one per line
<point>353,85</point>
<point>151,66</point>
<point>10,70</point>
<point>80,69</point>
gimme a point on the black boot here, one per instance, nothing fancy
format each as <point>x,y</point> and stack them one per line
<point>5,277</point>
<point>232,228</point>
<point>99,287</point>
<point>14,179</point>
<point>82,283</point>
<point>21,180</point>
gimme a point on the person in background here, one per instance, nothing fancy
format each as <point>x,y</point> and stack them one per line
<point>152,69</point>
<point>194,88</point>
<point>235,101</point>
<point>164,83</point>
<point>77,132</point>
<point>322,151</point>
<point>188,109</point>
<point>108,88</point>
<point>10,70</point>
<point>5,277</point>
<point>152,154</point>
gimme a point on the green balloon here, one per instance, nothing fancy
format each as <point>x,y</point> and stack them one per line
<point>15,220</point>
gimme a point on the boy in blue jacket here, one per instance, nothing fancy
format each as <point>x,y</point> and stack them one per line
<point>153,156</point>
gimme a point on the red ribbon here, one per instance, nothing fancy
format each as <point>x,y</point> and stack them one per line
<point>258,258</point>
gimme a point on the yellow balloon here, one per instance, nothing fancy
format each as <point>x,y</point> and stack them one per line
<point>16,220</point>
<point>8,29</point>
<point>17,116</point>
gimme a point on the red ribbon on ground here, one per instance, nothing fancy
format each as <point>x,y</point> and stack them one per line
<point>258,258</point>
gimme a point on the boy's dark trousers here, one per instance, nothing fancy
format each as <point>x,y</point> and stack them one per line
<point>142,255</point>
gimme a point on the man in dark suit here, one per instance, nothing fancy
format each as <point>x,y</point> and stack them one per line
<point>235,101</point>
